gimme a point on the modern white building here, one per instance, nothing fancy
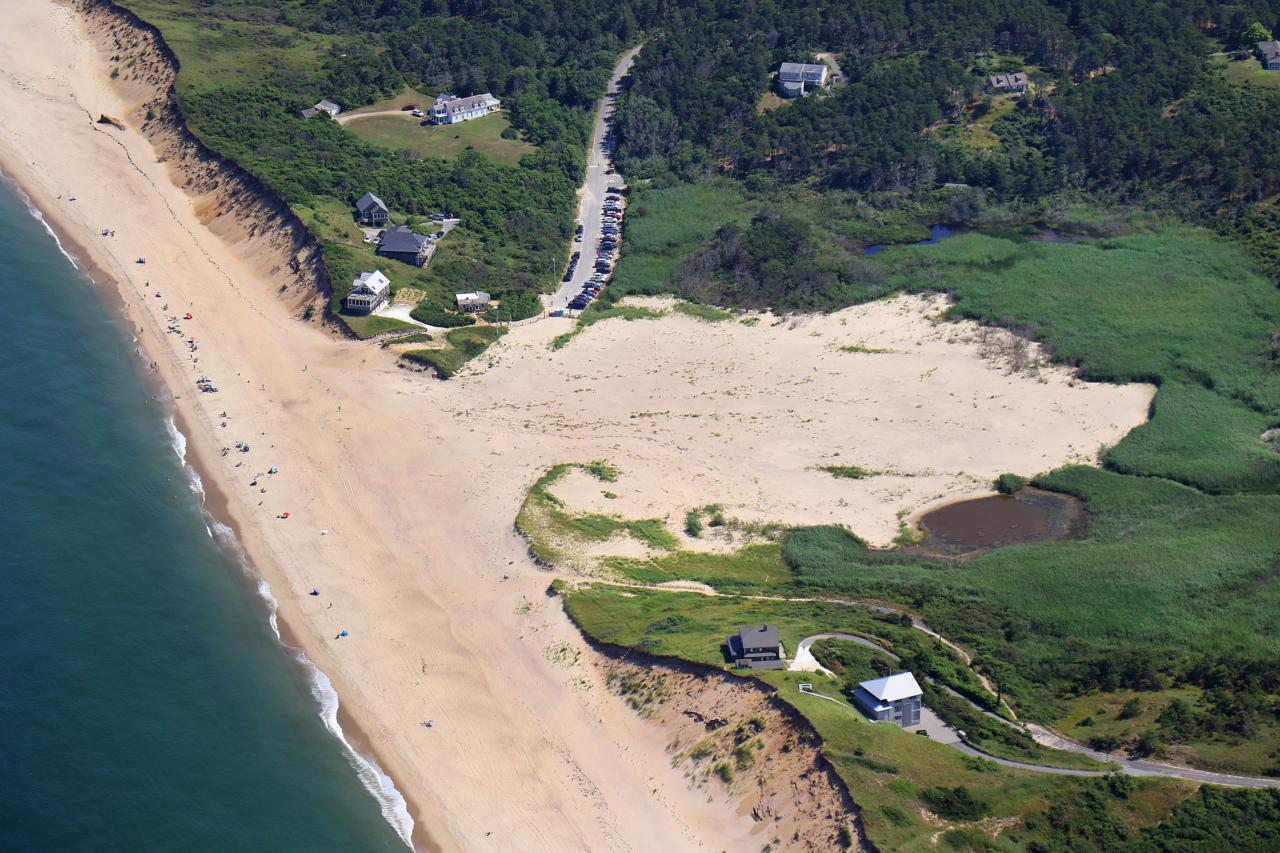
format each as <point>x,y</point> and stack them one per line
<point>794,77</point>
<point>894,698</point>
<point>450,110</point>
<point>368,291</point>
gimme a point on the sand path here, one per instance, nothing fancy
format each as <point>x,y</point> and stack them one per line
<point>417,482</point>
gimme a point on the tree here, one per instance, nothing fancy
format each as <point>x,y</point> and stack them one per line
<point>1255,33</point>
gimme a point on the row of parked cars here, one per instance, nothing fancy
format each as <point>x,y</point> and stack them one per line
<point>606,251</point>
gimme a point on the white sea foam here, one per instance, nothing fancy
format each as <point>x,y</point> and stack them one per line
<point>37,213</point>
<point>391,802</point>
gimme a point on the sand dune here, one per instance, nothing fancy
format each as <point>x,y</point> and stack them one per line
<point>401,490</point>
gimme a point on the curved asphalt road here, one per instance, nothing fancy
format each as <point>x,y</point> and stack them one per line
<point>804,661</point>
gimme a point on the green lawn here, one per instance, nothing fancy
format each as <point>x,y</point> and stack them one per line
<point>1248,71</point>
<point>403,132</point>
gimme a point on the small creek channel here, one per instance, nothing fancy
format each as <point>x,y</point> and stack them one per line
<point>981,524</point>
<point>939,232</point>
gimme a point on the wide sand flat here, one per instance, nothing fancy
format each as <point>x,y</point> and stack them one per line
<point>417,482</point>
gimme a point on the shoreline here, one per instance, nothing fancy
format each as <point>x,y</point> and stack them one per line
<point>215,506</point>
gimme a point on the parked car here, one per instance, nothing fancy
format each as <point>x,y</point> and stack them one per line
<point>613,189</point>
<point>417,114</point>
<point>573,259</point>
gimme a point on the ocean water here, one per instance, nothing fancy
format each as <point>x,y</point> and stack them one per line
<point>146,703</point>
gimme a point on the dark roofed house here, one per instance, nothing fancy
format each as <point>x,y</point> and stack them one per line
<point>1015,82</point>
<point>794,77</point>
<point>757,647</point>
<point>403,244</point>
<point>370,210</point>
<point>1269,52</point>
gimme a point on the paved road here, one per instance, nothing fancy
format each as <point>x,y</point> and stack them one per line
<point>804,661</point>
<point>592,192</point>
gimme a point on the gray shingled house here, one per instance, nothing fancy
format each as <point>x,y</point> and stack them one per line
<point>403,244</point>
<point>370,210</point>
<point>1015,82</point>
<point>1269,53</point>
<point>757,647</point>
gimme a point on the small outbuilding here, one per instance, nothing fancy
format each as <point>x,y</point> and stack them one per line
<point>371,211</point>
<point>892,699</point>
<point>324,106</point>
<point>796,78</point>
<point>757,647</point>
<point>404,244</point>
<point>1269,53</point>
<point>1015,82</point>
<point>477,300</point>
<point>368,291</point>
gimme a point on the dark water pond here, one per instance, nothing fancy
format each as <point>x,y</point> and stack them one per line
<point>937,233</point>
<point>1039,233</point>
<point>981,524</point>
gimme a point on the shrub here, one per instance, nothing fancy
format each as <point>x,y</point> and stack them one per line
<point>693,523</point>
<point>954,803</point>
<point>434,315</point>
<point>1007,484</point>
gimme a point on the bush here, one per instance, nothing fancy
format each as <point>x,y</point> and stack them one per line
<point>954,803</point>
<point>1007,484</point>
<point>693,523</point>
<point>434,315</point>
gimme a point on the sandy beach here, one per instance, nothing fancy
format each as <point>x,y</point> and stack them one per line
<point>401,490</point>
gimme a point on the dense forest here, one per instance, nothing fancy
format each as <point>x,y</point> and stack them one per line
<point>1125,107</point>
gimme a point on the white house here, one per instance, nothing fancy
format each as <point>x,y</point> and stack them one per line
<point>368,291</point>
<point>794,77</point>
<point>450,110</point>
<point>894,698</point>
<point>325,106</point>
<point>477,300</point>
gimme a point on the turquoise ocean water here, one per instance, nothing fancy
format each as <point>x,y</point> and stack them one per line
<point>145,701</point>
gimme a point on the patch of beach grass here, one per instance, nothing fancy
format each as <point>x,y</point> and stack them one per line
<point>461,346</point>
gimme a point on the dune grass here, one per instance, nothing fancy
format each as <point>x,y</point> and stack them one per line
<point>1177,307</point>
<point>461,345</point>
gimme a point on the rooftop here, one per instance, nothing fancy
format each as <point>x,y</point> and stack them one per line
<point>402,239</point>
<point>891,688</point>
<point>758,636</point>
<point>369,200</point>
<point>797,72</point>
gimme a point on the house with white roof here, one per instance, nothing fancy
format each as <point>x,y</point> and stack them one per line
<point>476,300</point>
<point>893,698</point>
<point>794,77</point>
<point>450,110</point>
<point>368,291</point>
<point>324,106</point>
